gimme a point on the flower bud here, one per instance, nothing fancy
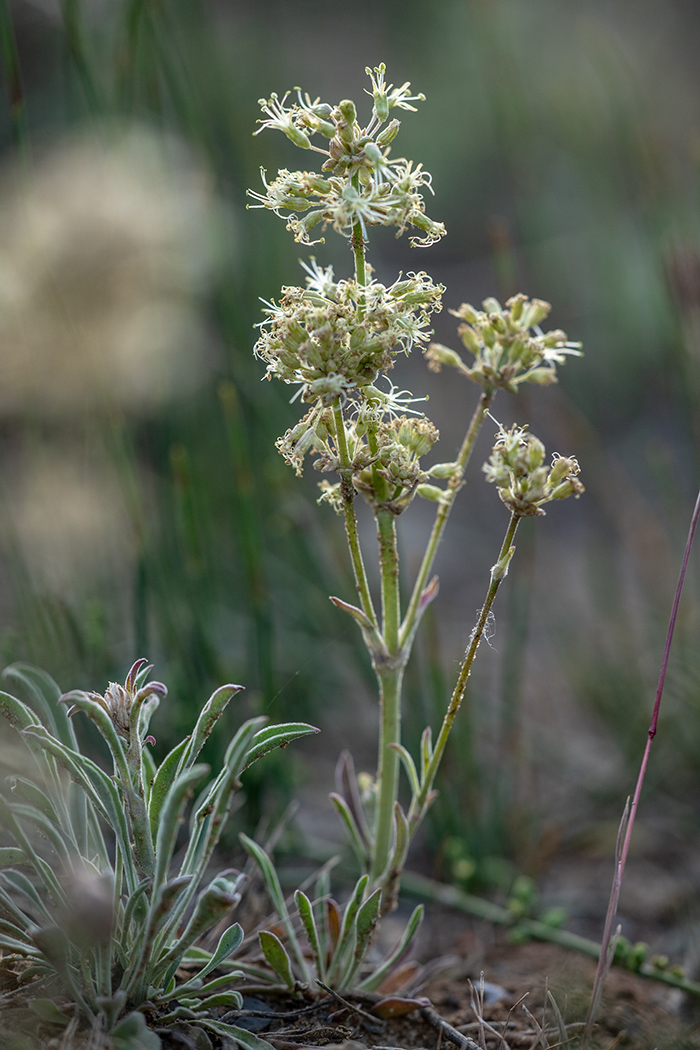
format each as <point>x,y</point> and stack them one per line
<point>535,312</point>
<point>542,376</point>
<point>515,304</point>
<point>381,105</point>
<point>534,453</point>
<point>492,306</point>
<point>442,355</point>
<point>431,492</point>
<point>470,339</point>
<point>373,153</point>
<point>488,335</point>
<point>500,569</point>
<point>443,470</point>
<point>346,124</point>
<point>297,136</point>
<point>389,133</point>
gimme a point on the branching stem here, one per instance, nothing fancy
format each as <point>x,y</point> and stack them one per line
<point>419,803</point>
<point>410,623</point>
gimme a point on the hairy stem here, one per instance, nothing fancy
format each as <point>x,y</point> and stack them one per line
<point>389,674</point>
<point>410,623</point>
<point>498,572</point>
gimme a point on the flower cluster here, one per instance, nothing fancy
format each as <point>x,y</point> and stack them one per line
<point>333,337</point>
<point>517,468</point>
<point>361,185</point>
<point>508,345</point>
<point>382,454</point>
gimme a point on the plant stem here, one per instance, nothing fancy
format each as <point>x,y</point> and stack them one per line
<point>410,623</point>
<point>348,493</point>
<point>418,805</point>
<point>628,821</point>
<point>389,675</point>
<point>453,897</point>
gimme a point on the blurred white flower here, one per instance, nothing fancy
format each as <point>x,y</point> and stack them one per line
<point>70,520</point>
<point>104,254</point>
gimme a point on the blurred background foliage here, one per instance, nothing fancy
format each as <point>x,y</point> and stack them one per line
<point>143,508</point>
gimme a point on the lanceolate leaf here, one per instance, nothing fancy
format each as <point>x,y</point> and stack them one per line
<point>19,715</point>
<point>306,914</point>
<point>276,954</point>
<point>248,1040</point>
<point>375,979</point>
<point>11,855</point>
<point>229,942</point>
<point>170,820</point>
<point>209,715</point>
<point>410,766</point>
<point>365,923</point>
<point>359,848</point>
<point>267,739</point>
<point>45,694</point>
<point>101,789</point>
<point>347,930</point>
<point>164,777</point>
<point>274,889</point>
<point>347,788</point>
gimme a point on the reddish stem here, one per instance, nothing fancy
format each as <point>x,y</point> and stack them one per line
<point>605,958</point>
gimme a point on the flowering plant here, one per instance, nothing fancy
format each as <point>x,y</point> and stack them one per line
<point>336,341</point>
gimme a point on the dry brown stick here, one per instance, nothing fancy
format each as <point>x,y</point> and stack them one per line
<point>375,1024</point>
<point>462,1042</point>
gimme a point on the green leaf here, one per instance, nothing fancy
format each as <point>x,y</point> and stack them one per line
<point>21,884</point>
<point>365,923</point>
<point>306,914</point>
<point>19,947</point>
<point>247,1040</point>
<point>170,819</point>
<point>229,942</point>
<point>276,954</point>
<point>132,1033</point>
<point>45,694</point>
<point>347,818</point>
<point>368,914</point>
<point>101,790</point>
<point>47,1010</point>
<point>347,930</point>
<point>208,717</point>
<point>10,929</point>
<point>426,751</point>
<point>19,715</point>
<point>11,855</point>
<point>267,870</point>
<point>402,839</point>
<point>375,979</point>
<point>28,790</point>
<point>232,999</point>
<point>410,766</point>
<point>164,777</point>
<point>267,739</point>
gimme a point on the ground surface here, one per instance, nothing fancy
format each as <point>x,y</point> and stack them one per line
<point>531,991</point>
